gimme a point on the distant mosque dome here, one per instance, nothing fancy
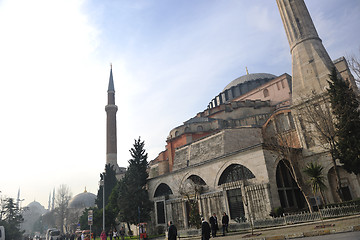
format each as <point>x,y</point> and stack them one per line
<point>36,206</point>
<point>82,200</point>
<point>249,77</point>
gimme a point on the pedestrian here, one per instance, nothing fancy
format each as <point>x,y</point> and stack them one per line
<point>82,236</point>
<point>214,225</point>
<point>172,232</point>
<point>225,223</point>
<point>103,235</point>
<point>205,230</point>
<point>115,234</point>
<point>110,234</point>
<point>122,233</point>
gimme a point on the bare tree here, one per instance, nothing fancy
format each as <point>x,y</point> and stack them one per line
<point>286,145</point>
<point>316,113</point>
<point>354,64</point>
<point>192,190</point>
<point>62,199</point>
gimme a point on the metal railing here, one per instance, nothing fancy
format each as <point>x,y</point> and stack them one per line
<point>301,217</point>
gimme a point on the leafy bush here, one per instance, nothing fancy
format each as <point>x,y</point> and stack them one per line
<point>277,212</point>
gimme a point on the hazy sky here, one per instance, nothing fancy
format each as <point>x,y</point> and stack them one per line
<point>170,58</point>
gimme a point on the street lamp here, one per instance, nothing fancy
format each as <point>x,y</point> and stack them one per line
<point>102,183</point>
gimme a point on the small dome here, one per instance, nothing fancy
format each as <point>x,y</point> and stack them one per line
<point>83,200</point>
<point>249,77</point>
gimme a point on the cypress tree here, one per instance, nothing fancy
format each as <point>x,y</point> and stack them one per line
<point>133,195</point>
<point>345,107</point>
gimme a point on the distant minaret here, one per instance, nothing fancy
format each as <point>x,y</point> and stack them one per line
<point>49,203</point>
<point>53,200</point>
<point>311,63</point>
<point>18,200</point>
<point>111,109</point>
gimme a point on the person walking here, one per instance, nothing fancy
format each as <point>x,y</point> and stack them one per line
<point>103,235</point>
<point>205,230</point>
<point>122,233</point>
<point>172,232</point>
<point>214,225</point>
<point>225,223</point>
<point>115,234</point>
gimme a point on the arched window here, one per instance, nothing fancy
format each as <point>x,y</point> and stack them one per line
<point>235,172</point>
<point>200,128</point>
<point>289,193</point>
<point>176,133</point>
<point>187,129</point>
<point>162,190</point>
<point>197,180</point>
<point>266,92</point>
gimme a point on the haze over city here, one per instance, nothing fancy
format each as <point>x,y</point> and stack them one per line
<point>170,58</point>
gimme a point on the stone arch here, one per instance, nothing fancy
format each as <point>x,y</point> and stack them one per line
<point>197,180</point>
<point>235,172</point>
<point>192,178</point>
<point>231,173</point>
<point>163,190</point>
<point>289,193</point>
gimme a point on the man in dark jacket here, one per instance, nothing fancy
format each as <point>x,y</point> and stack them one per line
<point>205,230</point>
<point>172,233</point>
<point>225,223</point>
<point>214,225</point>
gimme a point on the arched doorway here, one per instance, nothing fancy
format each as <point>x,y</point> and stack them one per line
<point>235,173</point>
<point>193,187</point>
<point>161,191</point>
<point>289,193</point>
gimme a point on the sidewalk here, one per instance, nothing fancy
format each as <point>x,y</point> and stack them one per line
<point>337,225</point>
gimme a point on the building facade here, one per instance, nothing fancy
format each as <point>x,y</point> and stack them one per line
<point>219,159</point>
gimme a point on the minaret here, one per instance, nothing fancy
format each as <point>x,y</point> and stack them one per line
<point>18,200</point>
<point>111,109</point>
<point>49,203</point>
<point>53,201</point>
<point>311,63</point>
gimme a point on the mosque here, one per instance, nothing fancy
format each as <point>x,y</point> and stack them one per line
<point>219,160</point>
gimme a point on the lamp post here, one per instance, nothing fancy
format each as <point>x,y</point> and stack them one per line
<point>102,183</point>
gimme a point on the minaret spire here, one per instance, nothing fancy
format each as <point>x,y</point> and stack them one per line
<point>311,63</point>
<point>111,81</point>
<point>111,138</point>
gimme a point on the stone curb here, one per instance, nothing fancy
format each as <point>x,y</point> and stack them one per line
<point>309,234</point>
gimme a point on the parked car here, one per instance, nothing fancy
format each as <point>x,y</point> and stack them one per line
<point>52,234</point>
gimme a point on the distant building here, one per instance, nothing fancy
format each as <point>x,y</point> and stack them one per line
<point>76,207</point>
<point>31,215</point>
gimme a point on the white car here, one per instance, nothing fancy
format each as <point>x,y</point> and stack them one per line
<point>52,234</point>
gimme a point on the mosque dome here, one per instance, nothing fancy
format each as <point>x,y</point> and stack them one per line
<point>36,206</point>
<point>240,86</point>
<point>248,78</point>
<point>83,200</point>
